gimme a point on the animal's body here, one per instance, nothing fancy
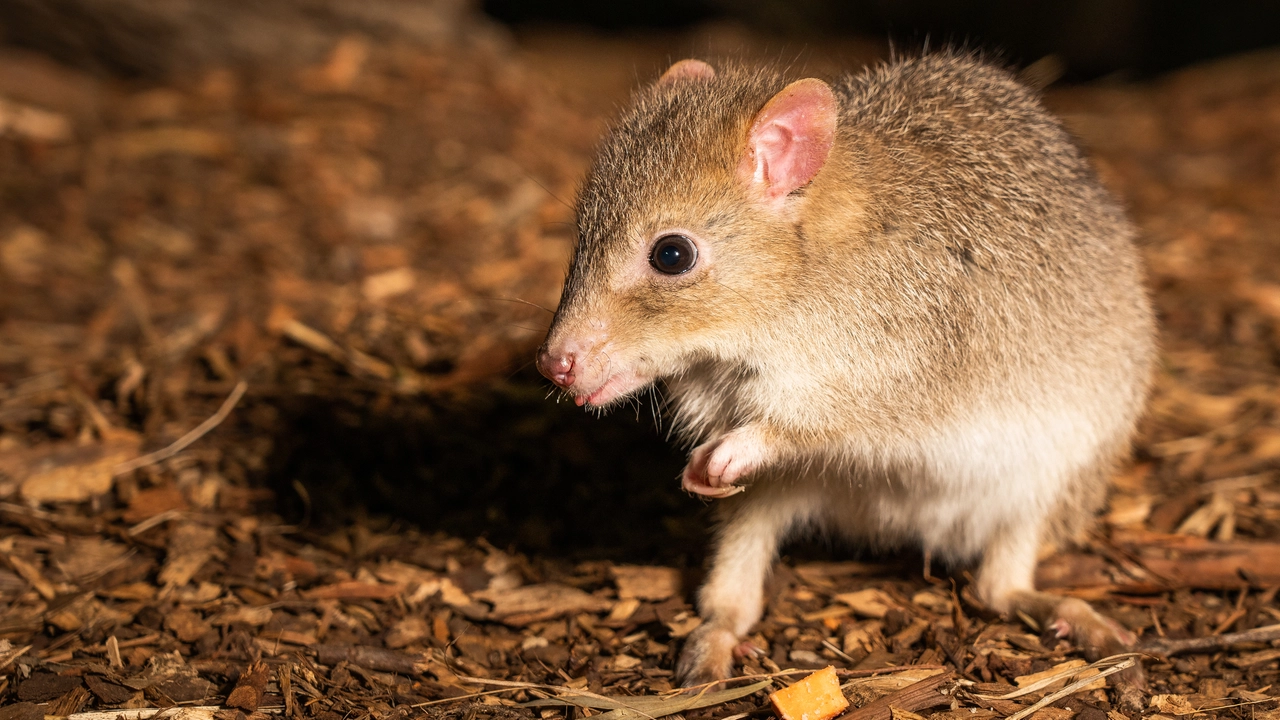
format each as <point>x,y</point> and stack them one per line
<point>899,308</point>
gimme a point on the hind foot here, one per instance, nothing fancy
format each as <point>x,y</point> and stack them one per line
<point>1096,635</point>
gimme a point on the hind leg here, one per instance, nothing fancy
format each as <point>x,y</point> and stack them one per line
<point>1005,582</point>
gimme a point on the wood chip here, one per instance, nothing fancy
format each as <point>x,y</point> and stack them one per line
<point>247,694</point>
<point>72,473</point>
<point>373,658</point>
<point>920,695</point>
<point>872,603</point>
<point>646,582</point>
<point>190,547</point>
<point>354,590</point>
<point>536,603</point>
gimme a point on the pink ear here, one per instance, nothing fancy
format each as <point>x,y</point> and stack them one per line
<point>790,139</point>
<point>687,70</point>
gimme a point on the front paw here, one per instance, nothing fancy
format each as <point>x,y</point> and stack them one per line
<point>715,467</point>
<point>707,656</point>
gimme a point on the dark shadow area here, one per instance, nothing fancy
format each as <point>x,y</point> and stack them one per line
<point>1092,39</point>
<point>506,464</point>
<point>509,465</point>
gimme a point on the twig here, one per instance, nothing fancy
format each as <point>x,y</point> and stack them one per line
<point>105,647</point>
<point>513,685</point>
<point>186,712</point>
<point>832,647</point>
<point>468,696</point>
<point>12,655</point>
<point>1229,707</point>
<point>560,690</point>
<point>755,676</point>
<point>1168,648</point>
<point>842,673</point>
<point>112,648</point>
<point>181,443</point>
<point>1107,662</point>
<point>1235,615</point>
<point>249,688</point>
<point>1073,687</point>
<point>639,705</point>
<point>153,521</point>
<point>1122,557</point>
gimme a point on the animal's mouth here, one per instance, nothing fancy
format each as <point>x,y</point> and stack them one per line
<point>617,386</point>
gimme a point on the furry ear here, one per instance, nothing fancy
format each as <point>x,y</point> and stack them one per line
<point>789,140</point>
<point>687,70</point>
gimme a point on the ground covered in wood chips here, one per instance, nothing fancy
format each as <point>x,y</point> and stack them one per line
<point>265,447</point>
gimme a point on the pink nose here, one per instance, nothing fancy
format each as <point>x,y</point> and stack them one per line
<point>557,367</point>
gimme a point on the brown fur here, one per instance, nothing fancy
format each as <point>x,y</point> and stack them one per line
<point>943,338</point>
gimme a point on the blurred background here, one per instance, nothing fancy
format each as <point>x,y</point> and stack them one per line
<point>1092,38</point>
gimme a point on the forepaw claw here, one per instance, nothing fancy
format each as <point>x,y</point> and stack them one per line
<point>707,656</point>
<point>747,650</point>
<point>717,466</point>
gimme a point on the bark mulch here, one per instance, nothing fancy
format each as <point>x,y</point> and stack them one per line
<point>240,304</point>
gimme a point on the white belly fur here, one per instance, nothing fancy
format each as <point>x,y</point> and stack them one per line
<point>949,492</point>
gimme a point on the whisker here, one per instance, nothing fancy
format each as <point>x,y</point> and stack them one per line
<point>547,190</point>
<point>520,369</point>
<point>516,300</point>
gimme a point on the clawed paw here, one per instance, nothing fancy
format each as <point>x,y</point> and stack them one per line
<point>717,466</point>
<point>747,650</point>
<point>1094,633</point>
<point>707,656</point>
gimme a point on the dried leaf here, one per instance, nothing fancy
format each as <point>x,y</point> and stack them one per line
<point>643,707</point>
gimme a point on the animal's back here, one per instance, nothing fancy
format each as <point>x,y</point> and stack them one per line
<point>969,170</point>
<point>994,256</point>
<point>984,200</point>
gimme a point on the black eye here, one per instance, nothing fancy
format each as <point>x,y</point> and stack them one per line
<point>673,254</point>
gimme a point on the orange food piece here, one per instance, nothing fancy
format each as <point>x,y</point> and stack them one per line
<point>816,697</point>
